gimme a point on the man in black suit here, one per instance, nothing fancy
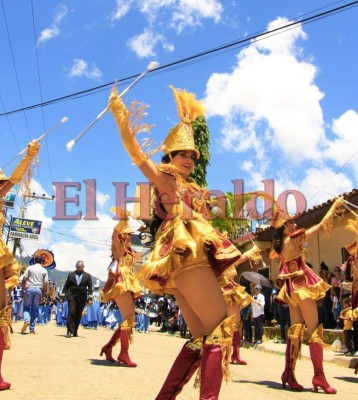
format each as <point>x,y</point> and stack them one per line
<point>78,292</point>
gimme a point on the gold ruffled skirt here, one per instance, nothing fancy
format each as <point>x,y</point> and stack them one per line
<point>184,244</point>
<point>234,294</point>
<point>128,282</point>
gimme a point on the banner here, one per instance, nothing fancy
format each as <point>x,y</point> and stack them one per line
<point>48,258</point>
<point>10,197</point>
<point>24,228</point>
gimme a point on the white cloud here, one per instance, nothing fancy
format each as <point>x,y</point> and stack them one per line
<point>121,9</point>
<point>54,31</point>
<point>143,44</point>
<point>80,68</point>
<point>270,87</point>
<point>344,148</point>
<point>191,12</point>
<point>162,15</point>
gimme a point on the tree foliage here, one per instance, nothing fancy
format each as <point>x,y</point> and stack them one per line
<point>202,141</point>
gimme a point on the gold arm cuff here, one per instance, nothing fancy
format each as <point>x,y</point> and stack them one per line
<point>32,150</point>
<point>122,117</point>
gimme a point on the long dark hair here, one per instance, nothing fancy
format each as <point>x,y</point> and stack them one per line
<point>278,239</point>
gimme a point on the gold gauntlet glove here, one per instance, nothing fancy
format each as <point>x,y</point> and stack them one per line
<point>122,117</point>
<point>327,220</point>
<point>32,150</point>
<point>254,254</point>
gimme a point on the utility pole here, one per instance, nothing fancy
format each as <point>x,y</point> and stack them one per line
<point>26,199</point>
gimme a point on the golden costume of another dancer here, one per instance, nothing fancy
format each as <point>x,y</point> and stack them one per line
<point>300,288</point>
<point>189,254</point>
<point>9,268</point>
<point>352,264</point>
<point>123,287</point>
<point>236,298</point>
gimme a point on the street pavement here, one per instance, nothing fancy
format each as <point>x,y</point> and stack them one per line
<point>49,366</point>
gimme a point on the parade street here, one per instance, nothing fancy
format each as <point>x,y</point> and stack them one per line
<point>49,366</point>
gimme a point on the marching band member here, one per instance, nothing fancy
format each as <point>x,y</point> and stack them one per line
<point>300,288</point>
<point>8,265</point>
<point>123,287</point>
<point>189,254</point>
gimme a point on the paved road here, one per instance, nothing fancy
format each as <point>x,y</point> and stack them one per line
<point>48,366</point>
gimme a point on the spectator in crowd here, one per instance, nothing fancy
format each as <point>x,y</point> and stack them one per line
<point>346,316</point>
<point>34,290</point>
<point>258,313</point>
<point>246,315</point>
<point>336,282</point>
<point>328,317</point>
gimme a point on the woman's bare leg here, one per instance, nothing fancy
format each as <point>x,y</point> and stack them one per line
<point>125,304</point>
<point>200,299</point>
<point>296,315</point>
<point>309,312</point>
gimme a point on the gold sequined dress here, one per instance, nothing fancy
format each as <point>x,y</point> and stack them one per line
<point>187,240</point>
<point>121,278</point>
<point>299,281</point>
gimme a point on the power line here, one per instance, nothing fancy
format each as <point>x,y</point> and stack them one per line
<point>40,88</point>
<point>196,57</point>
<point>13,61</point>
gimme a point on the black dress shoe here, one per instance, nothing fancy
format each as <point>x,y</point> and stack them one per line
<point>75,334</point>
<point>68,334</point>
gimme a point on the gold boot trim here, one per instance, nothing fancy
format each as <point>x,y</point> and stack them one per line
<point>5,324</point>
<point>222,336</point>
<point>196,345</point>
<point>127,325</point>
<point>295,333</point>
<point>317,337</point>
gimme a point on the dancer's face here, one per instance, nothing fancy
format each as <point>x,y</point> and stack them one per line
<point>185,161</point>
<point>290,226</point>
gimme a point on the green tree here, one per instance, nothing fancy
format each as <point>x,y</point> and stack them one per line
<point>225,220</point>
<point>202,141</point>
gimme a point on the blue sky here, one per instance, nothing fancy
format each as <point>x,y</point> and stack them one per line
<point>283,108</point>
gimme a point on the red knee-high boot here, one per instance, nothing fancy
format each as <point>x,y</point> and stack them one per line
<point>126,338</point>
<point>107,348</point>
<point>293,347</point>
<point>216,349</point>
<point>316,352</point>
<point>236,340</point>
<point>5,315</point>
<point>186,363</point>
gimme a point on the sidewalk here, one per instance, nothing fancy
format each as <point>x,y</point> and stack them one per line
<point>270,346</point>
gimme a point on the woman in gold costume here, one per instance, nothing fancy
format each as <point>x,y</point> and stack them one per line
<point>123,287</point>
<point>189,254</point>
<point>8,265</point>
<point>352,270</point>
<point>300,288</point>
<point>236,298</point>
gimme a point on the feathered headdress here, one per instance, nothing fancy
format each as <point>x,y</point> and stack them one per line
<point>123,225</point>
<point>181,137</point>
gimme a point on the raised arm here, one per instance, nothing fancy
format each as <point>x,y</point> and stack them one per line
<point>16,176</point>
<point>326,223</point>
<point>122,116</point>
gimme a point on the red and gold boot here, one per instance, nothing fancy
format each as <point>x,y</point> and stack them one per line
<point>215,359</point>
<point>293,348</point>
<point>236,340</point>
<point>186,363</point>
<point>126,336</point>
<point>107,348</point>
<point>316,351</point>
<point>5,317</point>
